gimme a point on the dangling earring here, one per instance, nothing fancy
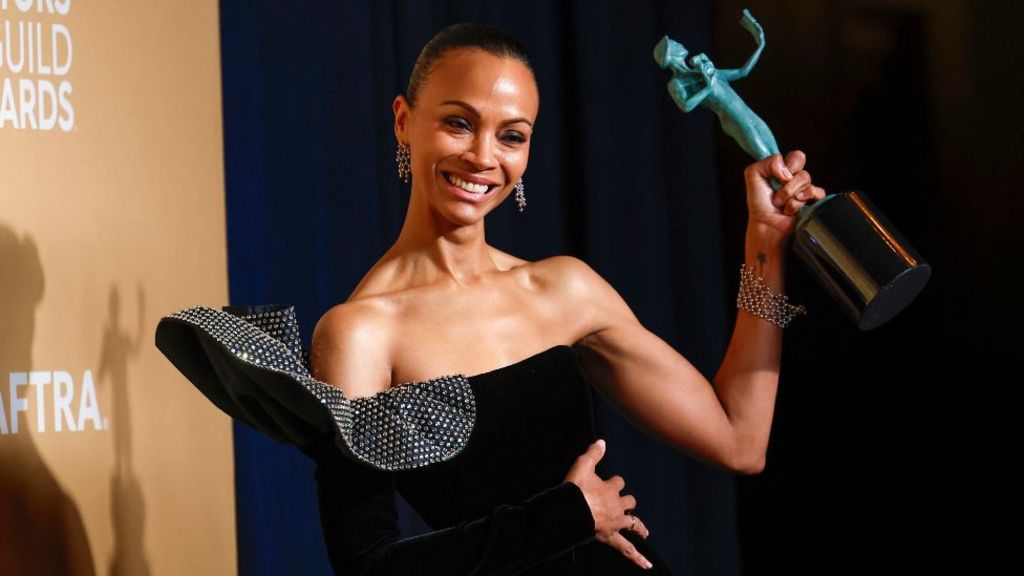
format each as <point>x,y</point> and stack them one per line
<point>404,159</point>
<point>520,195</point>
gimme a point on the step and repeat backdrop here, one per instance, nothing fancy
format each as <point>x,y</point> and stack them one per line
<point>111,216</point>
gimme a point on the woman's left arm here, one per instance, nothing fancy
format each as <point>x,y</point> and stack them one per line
<point>726,421</point>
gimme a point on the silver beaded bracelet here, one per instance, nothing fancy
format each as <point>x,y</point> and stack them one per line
<point>756,297</point>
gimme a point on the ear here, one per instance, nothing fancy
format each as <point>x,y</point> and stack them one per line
<point>401,108</point>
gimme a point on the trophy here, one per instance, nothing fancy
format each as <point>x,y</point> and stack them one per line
<point>843,239</point>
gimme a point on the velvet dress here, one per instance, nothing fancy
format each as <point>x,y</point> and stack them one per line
<point>498,506</point>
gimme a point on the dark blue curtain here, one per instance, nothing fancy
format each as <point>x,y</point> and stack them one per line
<point>617,176</point>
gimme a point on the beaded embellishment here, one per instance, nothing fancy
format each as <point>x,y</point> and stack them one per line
<point>404,427</point>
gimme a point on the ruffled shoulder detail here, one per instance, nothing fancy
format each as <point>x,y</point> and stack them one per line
<point>248,361</point>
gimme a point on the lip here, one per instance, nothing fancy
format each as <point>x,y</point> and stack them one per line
<point>470,178</point>
<point>469,196</point>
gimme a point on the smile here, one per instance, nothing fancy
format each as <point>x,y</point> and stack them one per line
<point>470,187</point>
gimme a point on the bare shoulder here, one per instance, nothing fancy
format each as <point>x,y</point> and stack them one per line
<point>350,347</point>
<point>565,268</point>
<point>573,277</point>
<point>594,301</point>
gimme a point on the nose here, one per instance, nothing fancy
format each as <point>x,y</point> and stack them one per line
<point>480,152</point>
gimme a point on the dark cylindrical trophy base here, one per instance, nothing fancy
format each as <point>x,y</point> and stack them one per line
<point>860,258</point>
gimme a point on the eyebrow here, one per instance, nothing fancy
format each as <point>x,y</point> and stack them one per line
<point>473,111</point>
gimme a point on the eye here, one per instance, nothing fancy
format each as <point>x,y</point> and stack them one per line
<point>513,137</point>
<point>457,123</point>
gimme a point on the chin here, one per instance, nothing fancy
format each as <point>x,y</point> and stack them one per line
<point>468,215</point>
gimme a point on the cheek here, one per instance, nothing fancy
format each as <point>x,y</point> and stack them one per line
<point>517,160</point>
<point>518,154</point>
<point>434,147</point>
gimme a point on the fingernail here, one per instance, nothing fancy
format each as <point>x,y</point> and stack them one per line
<point>601,442</point>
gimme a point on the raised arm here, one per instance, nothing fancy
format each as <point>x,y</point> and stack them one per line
<point>757,32</point>
<point>725,421</point>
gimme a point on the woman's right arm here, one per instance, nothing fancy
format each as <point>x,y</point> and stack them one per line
<point>359,520</point>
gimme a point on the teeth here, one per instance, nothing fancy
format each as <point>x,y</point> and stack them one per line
<point>467,186</point>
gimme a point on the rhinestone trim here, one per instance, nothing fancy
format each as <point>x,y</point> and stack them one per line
<point>403,427</point>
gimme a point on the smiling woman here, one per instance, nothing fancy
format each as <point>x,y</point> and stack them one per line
<point>462,376</point>
<point>524,495</point>
<point>442,303</point>
<point>467,119</point>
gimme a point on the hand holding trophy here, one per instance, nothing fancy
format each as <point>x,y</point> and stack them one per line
<point>846,243</point>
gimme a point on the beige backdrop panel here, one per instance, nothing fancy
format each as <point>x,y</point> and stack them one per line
<point>111,215</point>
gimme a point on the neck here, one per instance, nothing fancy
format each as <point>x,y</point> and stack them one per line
<point>432,247</point>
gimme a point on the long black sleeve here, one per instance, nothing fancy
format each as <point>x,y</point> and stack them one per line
<point>358,516</point>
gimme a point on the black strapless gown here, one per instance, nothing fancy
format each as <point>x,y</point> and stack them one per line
<point>498,507</point>
<point>482,458</point>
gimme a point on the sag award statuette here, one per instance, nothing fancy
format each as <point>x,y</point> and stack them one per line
<point>848,245</point>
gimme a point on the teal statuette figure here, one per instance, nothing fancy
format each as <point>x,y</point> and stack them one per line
<point>698,82</point>
<point>853,251</point>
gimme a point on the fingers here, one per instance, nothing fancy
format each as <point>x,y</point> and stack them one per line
<point>803,196</point>
<point>785,194</point>
<point>804,192</point>
<point>594,453</point>
<point>778,168</point>
<point>798,188</point>
<point>630,521</point>
<point>620,543</point>
<point>583,473</point>
<point>774,168</point>
<point>770,167</point>
<point>609,518</point>
<point>637,526</point>
<point>795,161</point>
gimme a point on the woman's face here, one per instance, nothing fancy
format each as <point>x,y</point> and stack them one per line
<point>469,134</point>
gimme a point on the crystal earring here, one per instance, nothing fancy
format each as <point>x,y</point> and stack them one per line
<point>404,159</point>
<point>520,195</point>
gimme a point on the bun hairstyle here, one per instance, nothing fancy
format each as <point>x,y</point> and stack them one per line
<point>463,35</point>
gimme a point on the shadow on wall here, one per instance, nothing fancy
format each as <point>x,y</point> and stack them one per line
<point>127,508</point>
<point>41,530</point>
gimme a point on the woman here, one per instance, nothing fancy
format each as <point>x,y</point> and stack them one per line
<point>442,301</point>
<point>503,464</point>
